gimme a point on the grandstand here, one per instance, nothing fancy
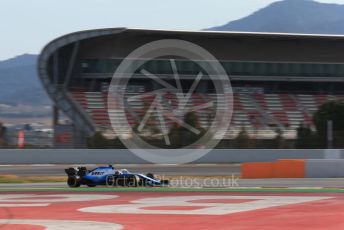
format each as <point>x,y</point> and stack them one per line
<point>278,80</point>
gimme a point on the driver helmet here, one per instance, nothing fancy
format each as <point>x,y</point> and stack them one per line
<point>125,171</point>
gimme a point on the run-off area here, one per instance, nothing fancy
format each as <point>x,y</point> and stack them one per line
<point>170,210</point>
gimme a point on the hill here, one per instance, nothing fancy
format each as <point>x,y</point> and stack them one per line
<point>292,16</point>
<point>22,60</point>
<point>19,83</point>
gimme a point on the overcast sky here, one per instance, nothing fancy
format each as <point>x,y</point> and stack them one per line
<point>27,25</point>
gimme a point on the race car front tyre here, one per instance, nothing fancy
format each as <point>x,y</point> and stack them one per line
<point>73,182</point>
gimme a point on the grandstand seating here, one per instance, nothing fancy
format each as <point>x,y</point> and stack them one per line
<point>260,114</point>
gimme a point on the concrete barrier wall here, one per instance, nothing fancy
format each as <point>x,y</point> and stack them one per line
<point>263,155</point>
<point>91,156</point>
<point>324,168</point>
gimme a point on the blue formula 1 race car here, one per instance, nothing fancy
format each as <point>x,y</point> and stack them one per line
<point>111,177</point>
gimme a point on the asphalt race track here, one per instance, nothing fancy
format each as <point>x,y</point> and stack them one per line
<point>200,197</point>
<point>209,175</point>
<point>218,183</point>
<point>171,170</point>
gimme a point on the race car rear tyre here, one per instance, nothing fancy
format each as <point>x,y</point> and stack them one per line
<point>150,175</point>
<point>73,182</point>
<point>110,181</point>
